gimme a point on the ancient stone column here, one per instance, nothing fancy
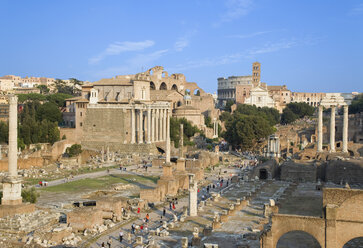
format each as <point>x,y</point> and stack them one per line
<point>153,125</point>
<point>320,128</point>
<point>332,129</point>
<point>108,154</point>
<point>148,125</point>
<point>133,133</point>
<point>157,122</point>
<point>167,147</point>
<point>193,196</point>
<point>1,156</point>
<point>13,136</point>
<point>103,154</point>
<point>288,148</point>
<point>345,129</point>
<point>164,124</point>
<point>12,183</point>
<point>140,127</point>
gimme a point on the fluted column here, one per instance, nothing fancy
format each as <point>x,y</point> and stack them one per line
<point>133,133</point>
<point>13,136</point>
<point>153,125</point>
<point>140,127</point>
<point>148,125</point>
<point>167,127</point>
<point>161,127</point>
<point>164,124</point>
<point>157,124</point>
<point>320,128</point>
<point>332,129</point>
<point>345,129</point>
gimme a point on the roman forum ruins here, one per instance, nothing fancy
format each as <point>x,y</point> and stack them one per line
<point>301,184</point>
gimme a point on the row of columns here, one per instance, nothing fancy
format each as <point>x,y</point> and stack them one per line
<point>150,125</point>
<point>332,129</point>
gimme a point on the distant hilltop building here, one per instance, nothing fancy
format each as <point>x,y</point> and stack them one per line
<point>250,90</point>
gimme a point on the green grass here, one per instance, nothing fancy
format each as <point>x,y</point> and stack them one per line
<point>99,183</point>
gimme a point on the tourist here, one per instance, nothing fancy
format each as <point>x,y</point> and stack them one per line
<point>170,206</point>
<point>164,212</point>
<point>138,210</point>
<point>173,206</point>
<point>141,227</point>
<point>133,228</point>
<point>121,235</point>
<point>103,245</point>
<point>109,242</point>
<point>147,217</point>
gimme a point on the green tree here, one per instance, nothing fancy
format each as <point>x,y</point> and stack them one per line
<point>301,109</point>
<point>188,128</point>
<point>288,116</point>
<point>245,130</point>
<point>49,111</point>
<point>208,121</point>
<point>357,105</point>
<point>4,132</point>
<point>229,105</point>
<point>74,150</point>
<point>43,89</point>
<point>58,98</point>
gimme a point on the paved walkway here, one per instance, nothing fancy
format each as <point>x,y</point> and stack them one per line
<point>154,219</point>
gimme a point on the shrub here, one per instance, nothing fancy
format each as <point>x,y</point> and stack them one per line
<point>74,150</point>
<point>29,195</point>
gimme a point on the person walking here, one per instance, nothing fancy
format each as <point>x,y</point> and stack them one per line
<point>138,210</point>
<point>147,218</point>
<point>109,242</point>
<point>121,235</point>
<point>133,228</point>
<point>103,245</point>
<point>164,212</point>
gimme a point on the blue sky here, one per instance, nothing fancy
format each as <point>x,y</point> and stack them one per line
<point>310,45</point>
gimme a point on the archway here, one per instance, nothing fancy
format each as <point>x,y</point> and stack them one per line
<point>263,174</point>
<point>187,92</point>
<point>297,239</point>
<point>174,87</point>
<point>354,243</point>
<point>197,92</point>
<point>152,86</point>
<point>163,86</point>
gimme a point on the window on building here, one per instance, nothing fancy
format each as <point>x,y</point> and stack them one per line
<point>80,113</point>
<point>80,124</point>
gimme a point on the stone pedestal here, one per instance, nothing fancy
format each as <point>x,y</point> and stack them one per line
<point>11,191</point>
<point>180,165</point>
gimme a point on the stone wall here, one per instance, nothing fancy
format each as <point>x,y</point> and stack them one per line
<point>103,126</point>
<point>298,172</point>
<point>344,171</point>
<point>23,163</point>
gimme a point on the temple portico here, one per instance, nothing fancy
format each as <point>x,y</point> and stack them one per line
<point>333,101</point>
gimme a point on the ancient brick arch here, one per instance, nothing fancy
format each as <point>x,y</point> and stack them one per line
<point>349,218</point>
<point>342,221</point>
<point>282,224</point>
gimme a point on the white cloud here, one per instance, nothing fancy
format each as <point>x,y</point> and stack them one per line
<point>272,47</point>
<point>234,10</point>
<point>184,41</point>
<point>181,44</point>
<point>120,47</point>
<point>357,10</point>
<point>236,57</point>
<point>251,35</point>
<point>133,64</point>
